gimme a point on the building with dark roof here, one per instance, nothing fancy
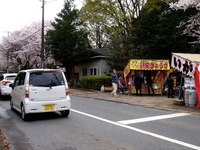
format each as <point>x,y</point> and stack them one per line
<point>97,64</point>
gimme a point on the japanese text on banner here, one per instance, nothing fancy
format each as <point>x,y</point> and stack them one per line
<point>149,65</point>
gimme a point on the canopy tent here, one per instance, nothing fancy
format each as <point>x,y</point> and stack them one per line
<point>188,64</point>
<point>185,62</point>
<point>157,68</point>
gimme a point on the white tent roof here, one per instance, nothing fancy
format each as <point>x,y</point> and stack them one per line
<point>191,57</point>
<point>185,62</point>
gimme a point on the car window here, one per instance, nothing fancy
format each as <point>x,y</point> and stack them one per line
<point>46,79</point>
<point>16,82</point>
<point>10,77</point>
<point>20,79</point>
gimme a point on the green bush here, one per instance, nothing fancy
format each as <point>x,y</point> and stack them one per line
<point>95,82</point>
<point>77,86</point>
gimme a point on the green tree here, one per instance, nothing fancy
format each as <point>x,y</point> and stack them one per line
<point>157,33</point>
<point>137,29</point>
<point>153,35</point>
<point>110,24</point>
<point>107,18</point>
<point>68,40</point>
<point>95,24</point>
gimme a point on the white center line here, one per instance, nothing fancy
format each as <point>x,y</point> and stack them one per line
<point>153,118</point>
<point>140,131</point>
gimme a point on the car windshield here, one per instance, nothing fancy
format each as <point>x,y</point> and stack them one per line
<point>10,77</point>
<point>46,79</point>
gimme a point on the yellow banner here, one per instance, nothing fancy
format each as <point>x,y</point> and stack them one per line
<point>149,64</point>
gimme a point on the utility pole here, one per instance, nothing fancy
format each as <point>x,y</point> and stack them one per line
<point>42,37</point>
<point>8,60</point>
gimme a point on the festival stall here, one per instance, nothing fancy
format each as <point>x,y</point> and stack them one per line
<point>157,68</point>
<point>188,64</point>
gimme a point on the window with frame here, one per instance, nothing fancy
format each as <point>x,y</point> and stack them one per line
<point>84,71</point>
<point>93,71</point>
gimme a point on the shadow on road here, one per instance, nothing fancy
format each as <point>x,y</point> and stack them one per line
<point>41,116</point>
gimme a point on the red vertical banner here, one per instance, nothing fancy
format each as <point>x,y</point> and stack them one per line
<point>197,83</point>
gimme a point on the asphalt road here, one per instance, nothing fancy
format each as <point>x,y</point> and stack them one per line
<point>101,125</point>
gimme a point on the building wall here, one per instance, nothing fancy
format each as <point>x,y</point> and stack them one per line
<point>100,64</point>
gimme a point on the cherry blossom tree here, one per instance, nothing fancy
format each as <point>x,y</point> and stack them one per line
<point>192,25</point>
<point>23,48</point>
<point>185,4</point>
<point>3,65</point>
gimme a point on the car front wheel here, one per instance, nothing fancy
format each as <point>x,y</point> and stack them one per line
<point>65,113</point>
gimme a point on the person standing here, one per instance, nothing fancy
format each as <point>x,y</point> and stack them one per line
<point>149,83</point>
<point>138,84</point>
<point>114,82</point>
<point>170,83</point>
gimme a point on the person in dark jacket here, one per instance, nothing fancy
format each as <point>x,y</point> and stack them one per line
<point>138,84</point>
<point>170,83</point>
<point>149,83</point>
<point>114,82</point>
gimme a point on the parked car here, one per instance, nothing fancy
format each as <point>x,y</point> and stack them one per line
<point>40,91</point>
<point>5,80</point>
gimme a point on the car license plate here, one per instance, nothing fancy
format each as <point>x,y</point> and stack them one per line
<point>49,107</point>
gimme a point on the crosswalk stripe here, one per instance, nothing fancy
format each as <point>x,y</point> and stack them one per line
<point>191,146</point>
<point>146,119</point>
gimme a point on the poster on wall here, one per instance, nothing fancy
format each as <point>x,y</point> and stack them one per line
<point>159,82</point>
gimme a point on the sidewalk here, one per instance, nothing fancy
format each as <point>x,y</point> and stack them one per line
<point>153,101</point>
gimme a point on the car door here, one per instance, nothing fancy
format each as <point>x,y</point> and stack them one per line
<point>18,89</point>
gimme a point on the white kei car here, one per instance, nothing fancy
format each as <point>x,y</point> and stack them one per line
<point>40,91</point>
<point>5,80</point>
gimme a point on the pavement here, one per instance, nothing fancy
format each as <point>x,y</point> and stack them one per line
<point>150,101</point>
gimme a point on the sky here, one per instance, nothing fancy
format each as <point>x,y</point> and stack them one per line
<point>17,14</point>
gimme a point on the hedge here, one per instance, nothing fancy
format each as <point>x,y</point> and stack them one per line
<point>95,82</point>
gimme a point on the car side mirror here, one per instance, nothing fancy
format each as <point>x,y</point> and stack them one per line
<point>11,85</point>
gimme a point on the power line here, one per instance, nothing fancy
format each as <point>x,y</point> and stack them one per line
<point>51,1</point>
<point>36,12</point>
<point>30,20</point>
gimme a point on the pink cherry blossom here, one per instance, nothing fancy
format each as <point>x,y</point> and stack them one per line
<point>192,25</point>
<point>23,48</point>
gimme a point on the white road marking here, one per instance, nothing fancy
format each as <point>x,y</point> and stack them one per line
<point>153,118</point>
<point>140,131</point>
